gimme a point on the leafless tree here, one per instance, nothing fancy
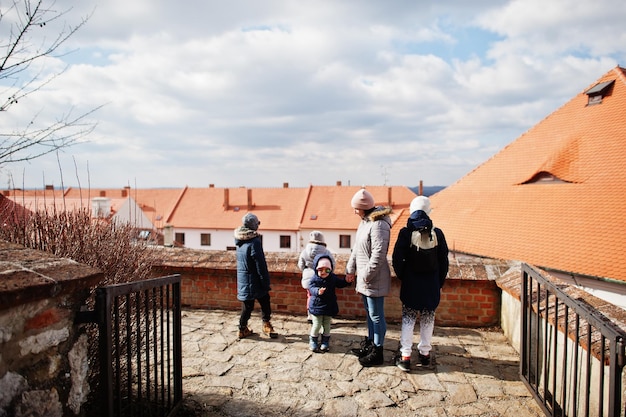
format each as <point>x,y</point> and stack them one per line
<point>23,43</point>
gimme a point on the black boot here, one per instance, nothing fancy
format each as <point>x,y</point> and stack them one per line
<point>374,357</point>
<point>364,349</point>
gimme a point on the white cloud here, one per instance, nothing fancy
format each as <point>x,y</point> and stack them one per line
<point>261,93</point>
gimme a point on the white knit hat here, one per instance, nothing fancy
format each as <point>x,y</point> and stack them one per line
<point>420,203</point>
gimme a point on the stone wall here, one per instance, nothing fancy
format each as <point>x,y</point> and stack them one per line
<point>470,296</point>
<point>43,354</point>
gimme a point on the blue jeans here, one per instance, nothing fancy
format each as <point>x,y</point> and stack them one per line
<point>376,325</point>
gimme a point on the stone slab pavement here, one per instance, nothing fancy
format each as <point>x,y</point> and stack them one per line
<point>475,372</point>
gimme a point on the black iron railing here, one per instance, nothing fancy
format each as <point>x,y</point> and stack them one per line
<point>140,347</point>
<point>572,357</point>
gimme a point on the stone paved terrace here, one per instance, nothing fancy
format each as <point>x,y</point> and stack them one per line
<point>475,372</point>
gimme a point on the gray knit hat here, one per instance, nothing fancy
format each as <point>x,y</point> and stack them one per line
<point>317,237</point>
<point>251,221</point>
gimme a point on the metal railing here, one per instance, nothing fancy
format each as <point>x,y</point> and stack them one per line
<point>572,357</point>
<point>140,347</point>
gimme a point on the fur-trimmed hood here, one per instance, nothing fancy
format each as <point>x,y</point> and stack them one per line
<point>243,234</point>
<point>380,213</point>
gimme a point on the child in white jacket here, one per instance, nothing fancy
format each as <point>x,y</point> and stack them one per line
<point>316,246</point>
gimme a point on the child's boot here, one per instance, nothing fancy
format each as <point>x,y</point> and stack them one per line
<point>313,345</point>
<point>325,343</point>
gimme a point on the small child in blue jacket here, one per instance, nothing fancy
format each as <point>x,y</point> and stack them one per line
<point>323,303</point>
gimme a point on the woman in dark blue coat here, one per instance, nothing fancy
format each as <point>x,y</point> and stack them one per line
<point>253,278</point>
<point>323,302</point>
<point>420,259</point>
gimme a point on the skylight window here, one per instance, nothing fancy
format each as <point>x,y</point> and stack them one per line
<point>596,93</point>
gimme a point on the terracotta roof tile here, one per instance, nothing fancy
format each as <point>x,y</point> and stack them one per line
<point>575,224</point>
<point>314,207</point>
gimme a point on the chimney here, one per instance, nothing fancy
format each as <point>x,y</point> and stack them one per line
<point>168,235</point>
<point>226,202</point>
<point>338,183</point>
<point>49,187</point>
<point>250,205</point>
<point>389,200</point>
<point>211,185</point>
<point>125,191</point>
<point>100,207</point>
<point>421,188</point>
<point>285,185</point>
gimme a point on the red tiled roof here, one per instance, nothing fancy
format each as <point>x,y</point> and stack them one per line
<point>577,224</point>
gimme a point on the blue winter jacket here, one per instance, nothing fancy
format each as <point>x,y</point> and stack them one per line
<point>253,278</point>
<point>325,304</point>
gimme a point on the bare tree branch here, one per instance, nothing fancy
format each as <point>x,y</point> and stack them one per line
<point>22,18</point>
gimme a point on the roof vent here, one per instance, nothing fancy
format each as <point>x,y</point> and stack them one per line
<point>596,93</point>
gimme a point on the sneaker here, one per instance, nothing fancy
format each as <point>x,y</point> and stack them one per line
<point>373,358</point>
<point>424,359</point>
<point>404,363</point>
<point>245,332</point>
<point>268,329</point>
<point>365,347</point>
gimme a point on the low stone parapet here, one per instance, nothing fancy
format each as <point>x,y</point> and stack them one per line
<point>470,297</point>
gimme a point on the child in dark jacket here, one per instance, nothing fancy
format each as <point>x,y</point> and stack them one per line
<point>323,303</point>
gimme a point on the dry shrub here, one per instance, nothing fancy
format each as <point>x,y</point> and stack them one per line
<point>111,247</point>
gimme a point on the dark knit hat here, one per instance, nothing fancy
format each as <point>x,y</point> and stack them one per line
<point>251,221</point>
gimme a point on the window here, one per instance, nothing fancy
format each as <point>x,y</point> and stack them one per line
<point>205,239</point>
<point>344,241</point>
<point>596,93</point>
<point>285,242</point>
<point>179,238</point>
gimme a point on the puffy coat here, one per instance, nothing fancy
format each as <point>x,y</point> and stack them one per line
<point>325,304</point>
<point>306,258</point>
<point>368,259</point>
<point>253,278</point>
<point>420,260</point>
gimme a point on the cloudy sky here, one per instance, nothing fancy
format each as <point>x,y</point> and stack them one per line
<point>260,92</point>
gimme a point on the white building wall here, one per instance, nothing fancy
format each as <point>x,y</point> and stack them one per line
<point>223,239</point>
<point>332,240</point>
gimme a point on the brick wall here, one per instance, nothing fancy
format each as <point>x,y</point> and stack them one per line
<point>470,297</point>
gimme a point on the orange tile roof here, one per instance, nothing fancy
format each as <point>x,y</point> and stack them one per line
<point>314,207</point>
<point>577,224</point>
<point>276,208</point>
<point>328,207</point>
